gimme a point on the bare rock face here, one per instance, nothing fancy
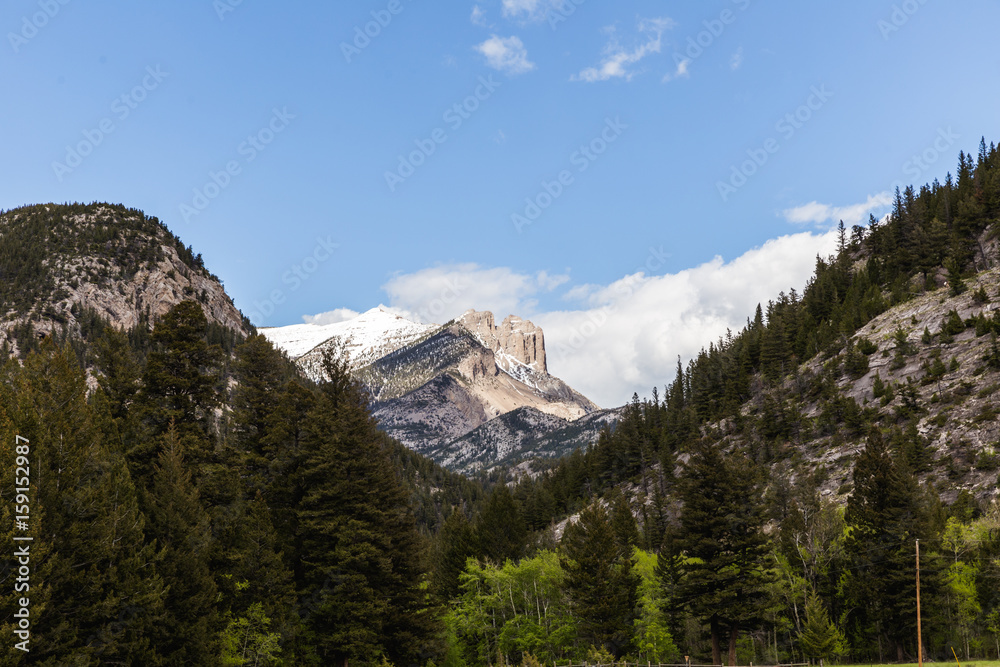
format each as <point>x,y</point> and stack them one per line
<point>479,364</point>
<point>515,338</point>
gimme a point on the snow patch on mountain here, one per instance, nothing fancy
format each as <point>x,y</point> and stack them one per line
<point>369,336</point>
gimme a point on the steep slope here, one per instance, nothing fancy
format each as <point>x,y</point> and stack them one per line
<point>524,436</point>
<point>364,339</point>
<point>58,262</point>
<point>946,381</point>
<point>431,385</point>
<point>498,441</point>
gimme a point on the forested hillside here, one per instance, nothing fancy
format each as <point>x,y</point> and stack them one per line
<point>64,268</point>
<point>202,508</point>
<point>195,500</point>
<point>768,504</point>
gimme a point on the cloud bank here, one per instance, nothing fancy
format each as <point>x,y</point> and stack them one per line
<point>612,340</point>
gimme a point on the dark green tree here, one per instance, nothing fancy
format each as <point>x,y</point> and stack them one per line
<point>601,583</point>
<point>361,555</point>
<point>453,545</point>
<point>721,545</point>
<point>500,530</point>
<point>95,590</point>
<point>180,526</point>
<point>179,386</point>
<point>624,525</point>
<point>884,516</point>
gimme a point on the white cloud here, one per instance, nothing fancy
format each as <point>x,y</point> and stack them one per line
<point>517,8</point>
<point>617,59</point>
<point>478,16</point>
<point>682,71</point>
<point>736,61</point>
<point>506,54</point>
<point>624,337</point>
<point>331,317</point>
<point>855,214</point>
<point>441,293</point>
<point>527,11</point>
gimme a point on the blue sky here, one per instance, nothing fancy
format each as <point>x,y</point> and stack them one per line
<point>263,133</point>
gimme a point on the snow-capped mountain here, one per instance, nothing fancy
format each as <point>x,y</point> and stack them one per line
<point>366,338</point>
<point>431,385</point>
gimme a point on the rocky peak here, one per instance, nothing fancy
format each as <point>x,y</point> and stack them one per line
<point>515,338</point>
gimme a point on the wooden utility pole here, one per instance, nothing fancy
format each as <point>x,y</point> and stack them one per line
<point>920,642</point>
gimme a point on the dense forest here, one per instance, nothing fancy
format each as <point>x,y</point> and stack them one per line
<point>731,547</point>
<point>195,501</point>
<point>201,508</point>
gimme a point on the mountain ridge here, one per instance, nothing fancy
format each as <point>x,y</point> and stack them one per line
<point>431,385</point>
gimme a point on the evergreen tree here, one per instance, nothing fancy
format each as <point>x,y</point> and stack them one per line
<point>260,372</point>
<point>884,517</point>
<point>624,526</point>
<point>454,544</point>
<point>723,572</point>
<point>179,386</point>
<point>181,528</point>
<point>601,582</point>
<point>500,530</point>
<point>361,554</point>
<point>94,592</point>
<point>820,638</point>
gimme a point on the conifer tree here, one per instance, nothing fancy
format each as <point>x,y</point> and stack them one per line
<point>180,526</point>
<point>601,582</point>
<point>454,544</point>
<point>500,529</point>
<point>884,516</point>
<point>723,572</point>
<point>361,554</point>
<point>179,386</point>
<point>624,526</point>
<point>260,373</point>
<point>820,638</point>
<point>94,589</point>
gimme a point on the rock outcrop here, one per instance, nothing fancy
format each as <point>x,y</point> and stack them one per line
<point>516,338</point>
<point>433,385</point>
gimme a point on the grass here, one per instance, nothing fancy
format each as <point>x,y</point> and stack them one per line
<point>971,663</point>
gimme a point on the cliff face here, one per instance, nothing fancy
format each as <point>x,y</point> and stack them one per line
<point>431,386</point>
<point>112,261</point>
<point>514,340</point>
